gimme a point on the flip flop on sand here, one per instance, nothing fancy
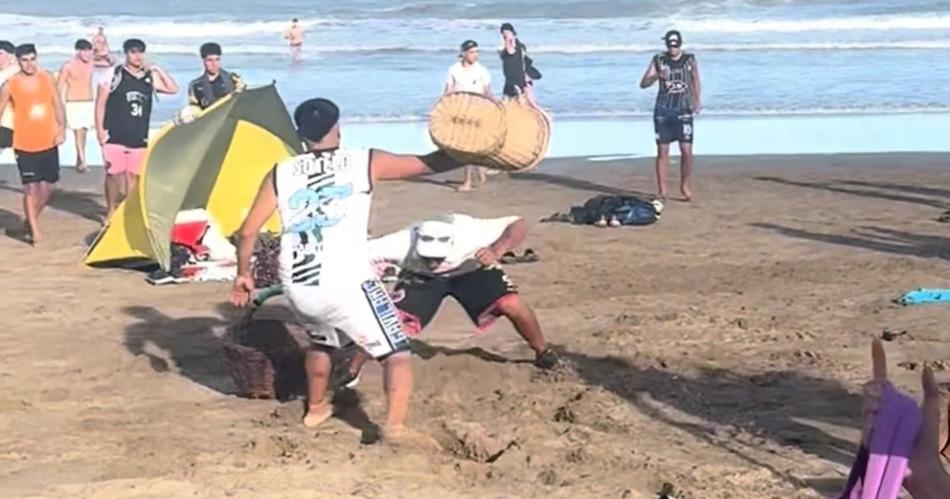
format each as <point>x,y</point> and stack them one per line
<point>510,257</point>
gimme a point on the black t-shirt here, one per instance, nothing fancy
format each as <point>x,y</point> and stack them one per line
<point>129,108</point>
<point>512,65</point>
<point>677,93</point>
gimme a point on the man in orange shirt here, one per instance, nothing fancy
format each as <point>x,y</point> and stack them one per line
<point>39,119</point>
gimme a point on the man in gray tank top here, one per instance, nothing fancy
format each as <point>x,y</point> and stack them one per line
<point>677,100</point>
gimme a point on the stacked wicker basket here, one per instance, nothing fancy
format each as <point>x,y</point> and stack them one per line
<point>508,135</point>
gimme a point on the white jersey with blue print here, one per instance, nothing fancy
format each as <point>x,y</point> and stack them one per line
<point>324,201</point>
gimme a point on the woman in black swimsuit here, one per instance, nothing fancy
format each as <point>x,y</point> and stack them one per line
<point>516,65</point>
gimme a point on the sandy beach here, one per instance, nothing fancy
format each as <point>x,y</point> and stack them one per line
<point>720,350</point>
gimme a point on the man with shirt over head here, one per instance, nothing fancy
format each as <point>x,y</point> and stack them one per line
<point>40,123</point>
<point>123,111</point>
<point>215,83</point>
<point>8,68</point>
<point>457,255</point>
<point>468,75</point>
<point>679,98</point>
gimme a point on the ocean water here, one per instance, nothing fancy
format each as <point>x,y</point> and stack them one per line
<point>774,62</point>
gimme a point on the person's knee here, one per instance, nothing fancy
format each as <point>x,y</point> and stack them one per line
<point>686,150</point>
<point>663,151</point>
<point>512,306</point>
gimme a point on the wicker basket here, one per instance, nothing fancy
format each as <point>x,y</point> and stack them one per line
<point>265,353</point>
<point>466,124</point>
<point>526,140</point>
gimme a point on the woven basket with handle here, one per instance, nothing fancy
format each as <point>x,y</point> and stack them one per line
<point>467,124</point>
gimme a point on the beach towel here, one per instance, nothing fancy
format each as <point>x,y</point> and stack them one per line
<point>920,296</point>
<point>879,469</point>
<point>628,210</point>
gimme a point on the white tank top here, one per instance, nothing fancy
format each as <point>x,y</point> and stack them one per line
<point>324,202</point>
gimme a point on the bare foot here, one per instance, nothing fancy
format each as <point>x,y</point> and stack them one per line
<point>464,188</point>
<point>82,168</point>
<point>317,414</point>
<point>400,436</point>
<point>687,194</point>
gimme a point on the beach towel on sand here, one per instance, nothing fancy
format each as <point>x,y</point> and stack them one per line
<point>920,296</point>
<point>628,210</point>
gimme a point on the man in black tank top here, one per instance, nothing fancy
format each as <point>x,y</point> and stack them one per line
<point>123,111</point>
<point>677,100</point>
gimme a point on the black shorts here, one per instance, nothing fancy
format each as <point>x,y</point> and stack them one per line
<point>419,298</point>
<point>673,127</point>
<point>42,166</point>
<point>6,138</point>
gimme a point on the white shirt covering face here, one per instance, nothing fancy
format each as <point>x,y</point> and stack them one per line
<point>470,235</point>
<point>473,78</point>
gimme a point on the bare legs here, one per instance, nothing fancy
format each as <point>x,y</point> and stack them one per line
<point>686,169</point>
<point>36,196</point>
<point>470,172</point>
<point>117,187</point>
<point>81,166</point>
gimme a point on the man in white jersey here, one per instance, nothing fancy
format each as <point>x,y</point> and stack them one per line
<point>323,197</point>
<point>469,75</point>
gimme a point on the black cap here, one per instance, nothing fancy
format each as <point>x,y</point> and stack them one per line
<point>469,45</point>
<point>25,49</point>
<point>82,44</point>
<point>133,44</point>
<point>7,46</point>
<point>508,27</point>
<point>315,118</point>
<point>210,48</point>
<point>673,39</point>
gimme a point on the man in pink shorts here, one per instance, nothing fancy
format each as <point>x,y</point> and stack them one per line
<point>123,110</point>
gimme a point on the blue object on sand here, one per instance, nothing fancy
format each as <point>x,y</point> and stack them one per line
<point>920,296</point>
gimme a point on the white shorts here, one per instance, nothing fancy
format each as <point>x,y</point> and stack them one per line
<point>335,315</point>
<point>81,114</point>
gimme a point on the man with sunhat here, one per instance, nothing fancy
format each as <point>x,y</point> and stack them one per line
<point>679,97</point>
<point>215,83</point>
<point>323,197</point>
<point>469,75</point>
<point>457,255</point>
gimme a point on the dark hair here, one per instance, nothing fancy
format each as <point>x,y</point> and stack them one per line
<point>83,44</point>
<point>25,49</point>
<point>133,44</point>
<point>315,118</point>
<point>293,20</point>
<point>210,48</point>
<point>7,46</point>
<point>508,27</point>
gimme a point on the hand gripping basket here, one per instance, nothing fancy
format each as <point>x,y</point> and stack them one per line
<point>264,351</point>
<point>465,125</point>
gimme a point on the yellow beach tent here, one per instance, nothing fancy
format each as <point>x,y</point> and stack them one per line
<point>216,162</point>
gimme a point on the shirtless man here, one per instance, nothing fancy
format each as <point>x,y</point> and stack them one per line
<point>75,87</point>
<point>100,46</point>
<point>294,37</point>
<point>8,68</point>
<point>323,197</point>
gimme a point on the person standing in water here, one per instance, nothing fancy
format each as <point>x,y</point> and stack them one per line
<point>294,36</point>
<point>100,49</point>
<point>468,75</point>
<point>678,99</point>
<point>75,86</point>
<point>40,123</point>
<point>123,111</point>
